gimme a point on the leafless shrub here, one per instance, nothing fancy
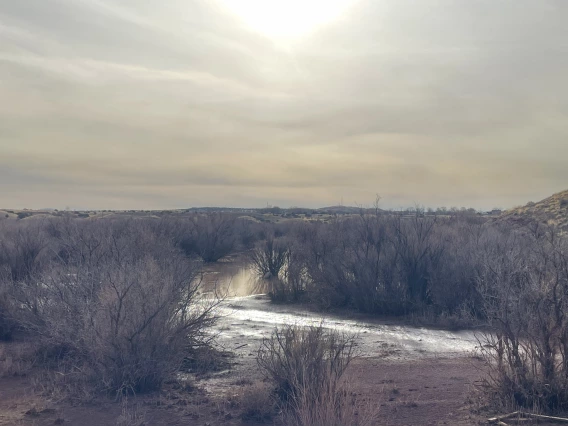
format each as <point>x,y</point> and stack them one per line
<point>306,366</point>
<point>327,264</point>
<point>21,247</point>
<point>452,290</point>
<point>7,323</point>
<point>396,264</point>
<point>119,305</point>
<point>297,358</point>
<point>279,264</point>
<point>524,282</point>
<point>269,258</point>
<point>353,263</point>
<point>22,254</point>
<point>210,236</point>
<point>418,251</point>
<point>248,233</point>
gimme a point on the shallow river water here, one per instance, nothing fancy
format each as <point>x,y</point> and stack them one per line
<point>247,318</point>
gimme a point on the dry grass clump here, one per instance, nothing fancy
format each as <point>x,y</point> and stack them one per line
<point>300,358</point>
<point>205,359</point>
<point>132,414</point>
<point>16,359</point>
<point>328,408</point>
<point>306,365</point>
<point>257,403</point>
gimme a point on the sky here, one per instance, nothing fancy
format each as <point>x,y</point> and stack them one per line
<point>151,104</point>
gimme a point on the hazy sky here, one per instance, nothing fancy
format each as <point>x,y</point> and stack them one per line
<point>166,104</point>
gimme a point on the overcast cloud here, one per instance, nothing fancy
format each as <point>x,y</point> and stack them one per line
<point>143,104</point>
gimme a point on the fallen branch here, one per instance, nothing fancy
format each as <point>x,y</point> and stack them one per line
<point>549,418</point>
<point>499,419</point>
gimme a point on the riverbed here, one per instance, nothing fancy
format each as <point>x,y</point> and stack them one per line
<point>247,316</point>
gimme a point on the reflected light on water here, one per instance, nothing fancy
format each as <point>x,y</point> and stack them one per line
<point>231,279</point>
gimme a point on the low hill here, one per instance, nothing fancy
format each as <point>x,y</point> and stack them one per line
<point>340,210</point>
<point>552,210</point>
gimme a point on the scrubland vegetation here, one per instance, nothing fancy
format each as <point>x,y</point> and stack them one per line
<point>114,304</point>
<point>115,301</point>
<point>512,281</point>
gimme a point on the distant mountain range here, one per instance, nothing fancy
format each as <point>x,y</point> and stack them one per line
<point>552,210</point>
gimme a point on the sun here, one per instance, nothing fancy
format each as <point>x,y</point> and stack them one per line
<point>286,19</point>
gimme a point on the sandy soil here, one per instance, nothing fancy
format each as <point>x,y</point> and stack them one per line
<point>421,392</point>
<point>431,391</point>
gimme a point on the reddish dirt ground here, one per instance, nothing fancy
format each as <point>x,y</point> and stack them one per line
<point>422,392</point>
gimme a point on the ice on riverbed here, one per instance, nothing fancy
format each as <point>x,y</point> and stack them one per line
<point>245,321</point>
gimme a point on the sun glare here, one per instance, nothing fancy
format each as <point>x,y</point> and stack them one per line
<point>286,19</point>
